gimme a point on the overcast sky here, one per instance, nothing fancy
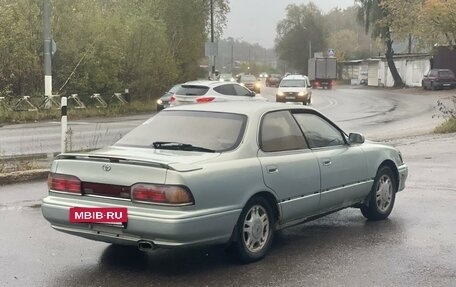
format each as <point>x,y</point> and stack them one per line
<point>255,21</point>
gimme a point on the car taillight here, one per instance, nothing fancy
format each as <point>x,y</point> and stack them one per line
<point>172,99</point>
<point>161,194</point>
<point>64,183</point>
<point>202,100</point>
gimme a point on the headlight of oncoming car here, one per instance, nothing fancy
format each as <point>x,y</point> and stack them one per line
<point>159,101</point>
<point>280,93</point>
<point>301,94</point>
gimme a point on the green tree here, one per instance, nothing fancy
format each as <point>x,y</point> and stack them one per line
<point>21,46</point>
<point>303,24</point>
<point>347,35</point>
<point>373,15</point>
<point>105,46</point>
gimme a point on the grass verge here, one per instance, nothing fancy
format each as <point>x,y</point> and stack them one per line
<point>7,116</point>
<point>449,126</point>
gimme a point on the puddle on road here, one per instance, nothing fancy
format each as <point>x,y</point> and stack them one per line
<point>16,206</point>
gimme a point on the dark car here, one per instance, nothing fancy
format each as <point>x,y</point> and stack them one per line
<point>163,102</point>
<point>439,79</point>
<point>273,80</point>
<point>250,82</point>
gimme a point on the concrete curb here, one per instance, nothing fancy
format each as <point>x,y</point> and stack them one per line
<point>21,176</point>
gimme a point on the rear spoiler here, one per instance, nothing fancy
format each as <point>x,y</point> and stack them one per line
<point>133,161</point>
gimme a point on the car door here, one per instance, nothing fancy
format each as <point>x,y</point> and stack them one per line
<point>343,167</point>
<point>289,166</point>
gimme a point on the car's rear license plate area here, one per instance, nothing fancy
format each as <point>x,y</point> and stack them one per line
<point>99,215</point>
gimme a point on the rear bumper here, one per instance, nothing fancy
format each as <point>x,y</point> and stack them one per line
<point>295,99</point>
<point>445,84</point>
<point>164,231</point>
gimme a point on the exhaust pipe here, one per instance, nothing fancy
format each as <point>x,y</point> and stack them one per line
<point>145,246</point>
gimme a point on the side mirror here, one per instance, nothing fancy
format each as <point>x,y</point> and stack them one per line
<point>252,94</point>
<point>356,138</point>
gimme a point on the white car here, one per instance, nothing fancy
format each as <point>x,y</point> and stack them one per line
<point>198,92</point>
<point>295,88</point>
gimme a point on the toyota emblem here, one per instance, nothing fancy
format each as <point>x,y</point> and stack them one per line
<point>106,167</point>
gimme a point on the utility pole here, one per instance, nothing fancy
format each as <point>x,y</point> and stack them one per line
<point>310,49</point>
<point>232,57</point>
<point>47,50</point>
<point>212,39</point>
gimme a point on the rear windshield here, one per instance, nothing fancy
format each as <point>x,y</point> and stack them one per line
<point>191,90</point>
<point>211,130</point>
<point>446,74</point>
<point>248,78</point>
<point>292,83</point>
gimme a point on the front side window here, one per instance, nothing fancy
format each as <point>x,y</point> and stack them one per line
<point>209,130</point>
<point>279,132</point>
<point>318,131</point>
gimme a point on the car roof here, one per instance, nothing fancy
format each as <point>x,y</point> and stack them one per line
<point>249,108</point>
<point>206,83</point>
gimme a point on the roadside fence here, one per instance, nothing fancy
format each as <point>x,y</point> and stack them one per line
<point>28,103</point>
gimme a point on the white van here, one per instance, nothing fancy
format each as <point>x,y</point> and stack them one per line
<point>295,88</point>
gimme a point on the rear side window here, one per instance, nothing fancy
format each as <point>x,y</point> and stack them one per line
<point>280,132</point>
<point>192,90</point>
<point>241,91</point>
<point>225,90</point>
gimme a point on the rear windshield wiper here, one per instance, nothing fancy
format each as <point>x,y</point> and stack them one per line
<point>180,146</point>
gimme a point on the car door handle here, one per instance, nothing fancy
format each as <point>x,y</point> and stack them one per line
<point>273,169</point>
<point>327,162</point>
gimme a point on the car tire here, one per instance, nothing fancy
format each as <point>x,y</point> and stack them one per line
<point>433,87</point>
<point>423,85</point>
<point>380,200</point>
<point>252,242</point>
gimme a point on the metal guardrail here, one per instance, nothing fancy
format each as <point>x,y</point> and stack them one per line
<point>100,100</point>
<point>25,103</point>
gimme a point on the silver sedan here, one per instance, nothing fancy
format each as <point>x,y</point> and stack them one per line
<point>221,173</point>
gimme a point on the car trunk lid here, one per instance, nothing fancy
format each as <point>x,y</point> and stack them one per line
<point>112,171</point>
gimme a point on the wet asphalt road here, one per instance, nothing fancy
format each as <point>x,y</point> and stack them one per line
<point>416,246</point>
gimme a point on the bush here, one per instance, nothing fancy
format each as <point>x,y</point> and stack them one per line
<point>448,112</point>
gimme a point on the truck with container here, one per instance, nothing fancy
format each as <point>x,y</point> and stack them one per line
<point>322,72</point>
